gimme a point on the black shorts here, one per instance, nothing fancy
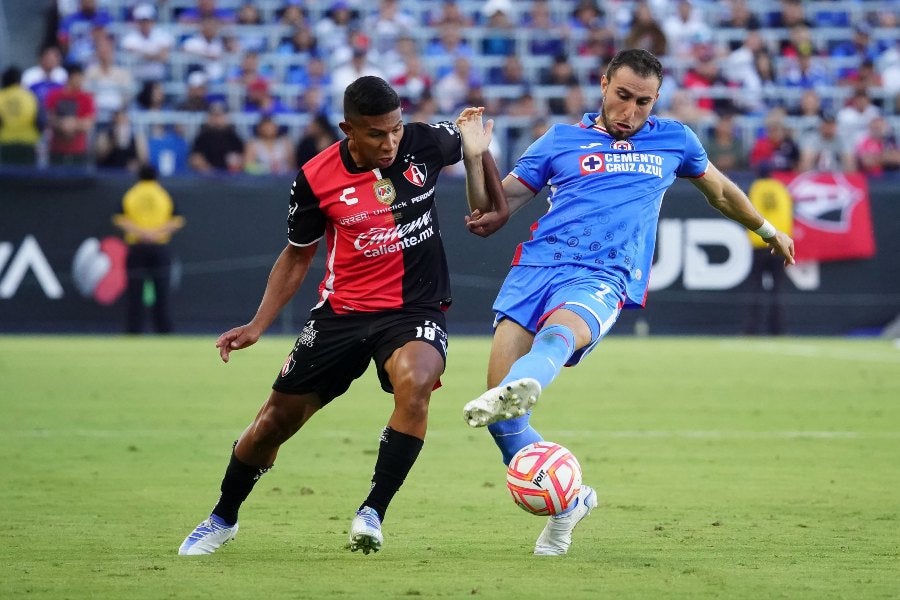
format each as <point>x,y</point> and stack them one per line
<point>333,350</point>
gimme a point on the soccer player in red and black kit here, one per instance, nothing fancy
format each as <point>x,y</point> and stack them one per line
<point>386,286</point>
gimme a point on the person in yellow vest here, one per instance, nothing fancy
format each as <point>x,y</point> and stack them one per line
<point>767,276</point>
<point>148,219</point>
<point>19,120</point>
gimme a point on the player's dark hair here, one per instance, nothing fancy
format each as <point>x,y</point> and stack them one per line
<point>369,96</point>
<point>641,61</point>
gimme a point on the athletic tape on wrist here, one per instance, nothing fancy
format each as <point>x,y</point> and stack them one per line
<point>766,230</point>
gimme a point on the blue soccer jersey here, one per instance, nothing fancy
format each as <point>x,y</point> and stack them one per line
<point>605,195</point>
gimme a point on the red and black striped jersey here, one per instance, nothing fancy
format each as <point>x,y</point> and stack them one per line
<point>380,226</point>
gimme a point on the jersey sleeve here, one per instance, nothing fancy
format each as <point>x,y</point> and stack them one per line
<point>695,160</point>
<point>306,221</point>
<point>534,167</point>
<point>446,137</point>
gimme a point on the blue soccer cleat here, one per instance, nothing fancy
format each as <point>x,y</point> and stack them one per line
<point>208,536</point>
<point>365,531</point>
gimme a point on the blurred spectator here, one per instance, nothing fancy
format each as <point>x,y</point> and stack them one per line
<point>511,72</point>
<point>196,98</point>
<point>450,13</point>
<point>167,149</point>
<point>539,126</point>
<point>740,69</point>
<point>684,108</point>
<point>547,35</point>
<point>449,46</point>
<point>703,75</point>
<point>864,76</point>
<point>799,42</point>
<point>70,116</point>
<point>877,151</point>
<point>269,151</point>
<point>206,9</point>
<point>77,31</point>
<point>451,90</point>
<point>148,219</point>
<point>250,37</point>
<point>412,83</point>
<point>775,150</point>
<point>260,99</point>
<point>806,72</point>
<point>147,45</point>
<point>526,106</point>
<point>111,85</point>
<point>645,31</point>
<point>822,149</point>
<point>302,45</point>
<point>573,105</point>
<point>120,146</point>
<point>314,100</point>
<point>739,16</point>
<point>207,48</point>
<point>47,75</point>
<point>334,28</point>
<point>347,73</point>
<point>217,146</point>
<point>387,26</point>
<point>810,111</point>
<point>854,118</point>
<point>19,120</point>
<point>152,96</point>
<point>789,13</point>
<point>599,43</point>
<point>586,15</point>
<point>249,71</point>
<point>888,66</point>
<point>318,135</point>
<point>293,15</point>
<point>725,147</point>
<point>499,20</point>
<point>560,72</point>
<point>860,47</point>
<point>685,28</point>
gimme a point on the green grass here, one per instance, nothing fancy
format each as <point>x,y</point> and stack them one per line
<point>726,467</point>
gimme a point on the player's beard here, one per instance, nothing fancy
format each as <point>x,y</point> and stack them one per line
<point>615,132</point>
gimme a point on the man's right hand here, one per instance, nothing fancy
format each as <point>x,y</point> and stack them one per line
<point>236,339</point>
<point>476,136</point>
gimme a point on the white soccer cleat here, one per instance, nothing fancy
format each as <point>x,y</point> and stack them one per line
<point>502,402</point>
<point>207,537</point>
<point>556,537</point>
<point>365,531</point>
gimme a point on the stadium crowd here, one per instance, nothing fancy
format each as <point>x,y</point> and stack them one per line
<point>234,86</point>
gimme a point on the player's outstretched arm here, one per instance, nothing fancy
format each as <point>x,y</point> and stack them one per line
<point>287,274</point>
<point>725,196</point>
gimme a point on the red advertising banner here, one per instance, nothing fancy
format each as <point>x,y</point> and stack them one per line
<point>832,216</point>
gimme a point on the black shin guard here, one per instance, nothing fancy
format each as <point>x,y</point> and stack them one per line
<point>236,486</point>
<point>396,455</point>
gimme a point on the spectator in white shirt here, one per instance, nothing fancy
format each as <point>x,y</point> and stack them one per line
<point>148,45</point>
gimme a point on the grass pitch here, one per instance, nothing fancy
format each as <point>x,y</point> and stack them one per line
<point>726,468</point>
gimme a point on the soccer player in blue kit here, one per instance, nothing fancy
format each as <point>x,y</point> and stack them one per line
<point>590,254</point>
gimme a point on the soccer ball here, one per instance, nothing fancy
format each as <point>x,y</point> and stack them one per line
<point>544,478</point>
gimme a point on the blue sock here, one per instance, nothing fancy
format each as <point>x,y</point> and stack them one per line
<point>552,347</point>
<point>512,435</point>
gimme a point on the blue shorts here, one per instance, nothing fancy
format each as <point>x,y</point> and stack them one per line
<point>530,294</point>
